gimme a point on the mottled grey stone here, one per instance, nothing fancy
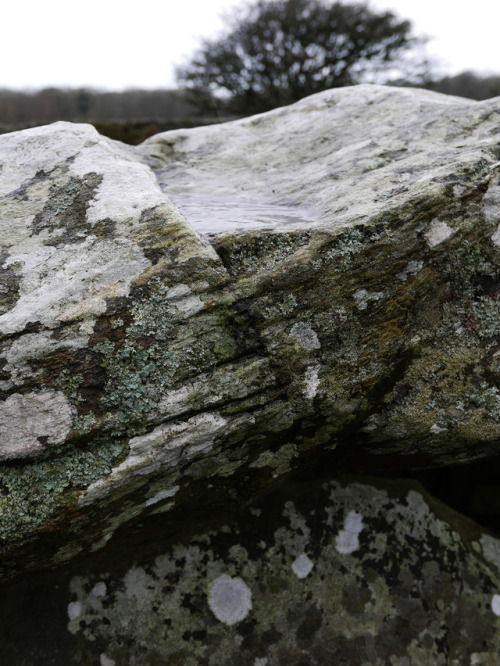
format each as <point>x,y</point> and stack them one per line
<point>194,368</point>
<point>276,586</point>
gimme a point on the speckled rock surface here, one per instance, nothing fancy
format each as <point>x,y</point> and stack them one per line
<point>350,572</point>
<point>150,365</point>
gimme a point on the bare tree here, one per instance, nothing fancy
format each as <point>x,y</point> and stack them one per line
<point>277,51</point>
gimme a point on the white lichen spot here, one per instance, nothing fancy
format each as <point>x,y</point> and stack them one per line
<point>435,429</point>
<point>496,237</point>
<point>87,326</point>
<point>261,661</point>
<point>230,600</point>
<point>190,305</point>
<point>302,566</point>
<point>438,232</point>
<point>163,494</point>
<point>305,335</point>
<point>106,661</point>
<point>99,589</point>
<point>491,549</point>
<point>459,190</point>
<point>491,203</point>
<point>178,291</point>
<point>347,540</point>
<point>312,381</point>
<point>24,419</point>
<point>74,610</point>
<point>495,604</point>
<point>412,268</point>
<point>136,582</point>
<point>363,298</point>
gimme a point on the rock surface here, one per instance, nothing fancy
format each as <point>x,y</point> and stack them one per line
<point>154,360</point>
<point>345,572</point>
<point>332,573</point>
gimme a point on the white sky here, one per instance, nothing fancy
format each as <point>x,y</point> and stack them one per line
<point>115,45</point>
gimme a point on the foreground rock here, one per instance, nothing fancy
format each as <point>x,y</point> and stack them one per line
<point>147,367</point>
<point>351,572</point>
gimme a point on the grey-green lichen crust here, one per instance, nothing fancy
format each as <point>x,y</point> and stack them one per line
<point>140,358</point>
<point>336,573</point>
<point>90,248</point>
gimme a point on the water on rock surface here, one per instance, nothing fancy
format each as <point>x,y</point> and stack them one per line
<point>217,214</point>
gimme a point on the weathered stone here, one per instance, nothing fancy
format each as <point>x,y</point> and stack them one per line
<point>359,317</point>
<point>357,572</point>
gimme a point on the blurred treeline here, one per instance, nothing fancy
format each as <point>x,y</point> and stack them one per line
<point>130,116</point>
<point>133,115</point>
<point>467,84</point>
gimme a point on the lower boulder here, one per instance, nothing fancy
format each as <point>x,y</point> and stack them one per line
<point>346,572</point>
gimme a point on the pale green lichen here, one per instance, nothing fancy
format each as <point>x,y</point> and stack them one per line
<point>34,494</point>
<point>69,383</point>
<point>84,422</point>
<point>258,251</point>
<point>137,378</point>
<point>140,368</point>
<point>349,244</point>
<point>65,211</point>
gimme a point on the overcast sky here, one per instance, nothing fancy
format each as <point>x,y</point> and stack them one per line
<point>115,45</point>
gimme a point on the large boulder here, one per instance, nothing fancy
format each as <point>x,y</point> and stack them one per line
<point>185,323</point>
<point>351,572</point>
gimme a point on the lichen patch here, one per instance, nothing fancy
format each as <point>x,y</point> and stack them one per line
<point>496,238</point>
<point>412,268</point>
<point>312,381</point>
<point>495,604</point>
<point>305,335</point>
<point>74,610</point>
<point>230,599</point>
<point>363,298</point>
<point>347,540</point>
<point>302,566</point>
<point>438,233</point>
<point>105,660</point>
<point>491,203</point>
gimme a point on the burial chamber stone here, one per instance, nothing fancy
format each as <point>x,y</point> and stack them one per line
<point>188,324</point>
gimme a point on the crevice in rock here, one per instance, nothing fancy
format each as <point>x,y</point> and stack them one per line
<point>472,488</point>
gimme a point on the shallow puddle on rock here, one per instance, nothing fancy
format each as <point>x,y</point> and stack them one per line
<point>216,214</point>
